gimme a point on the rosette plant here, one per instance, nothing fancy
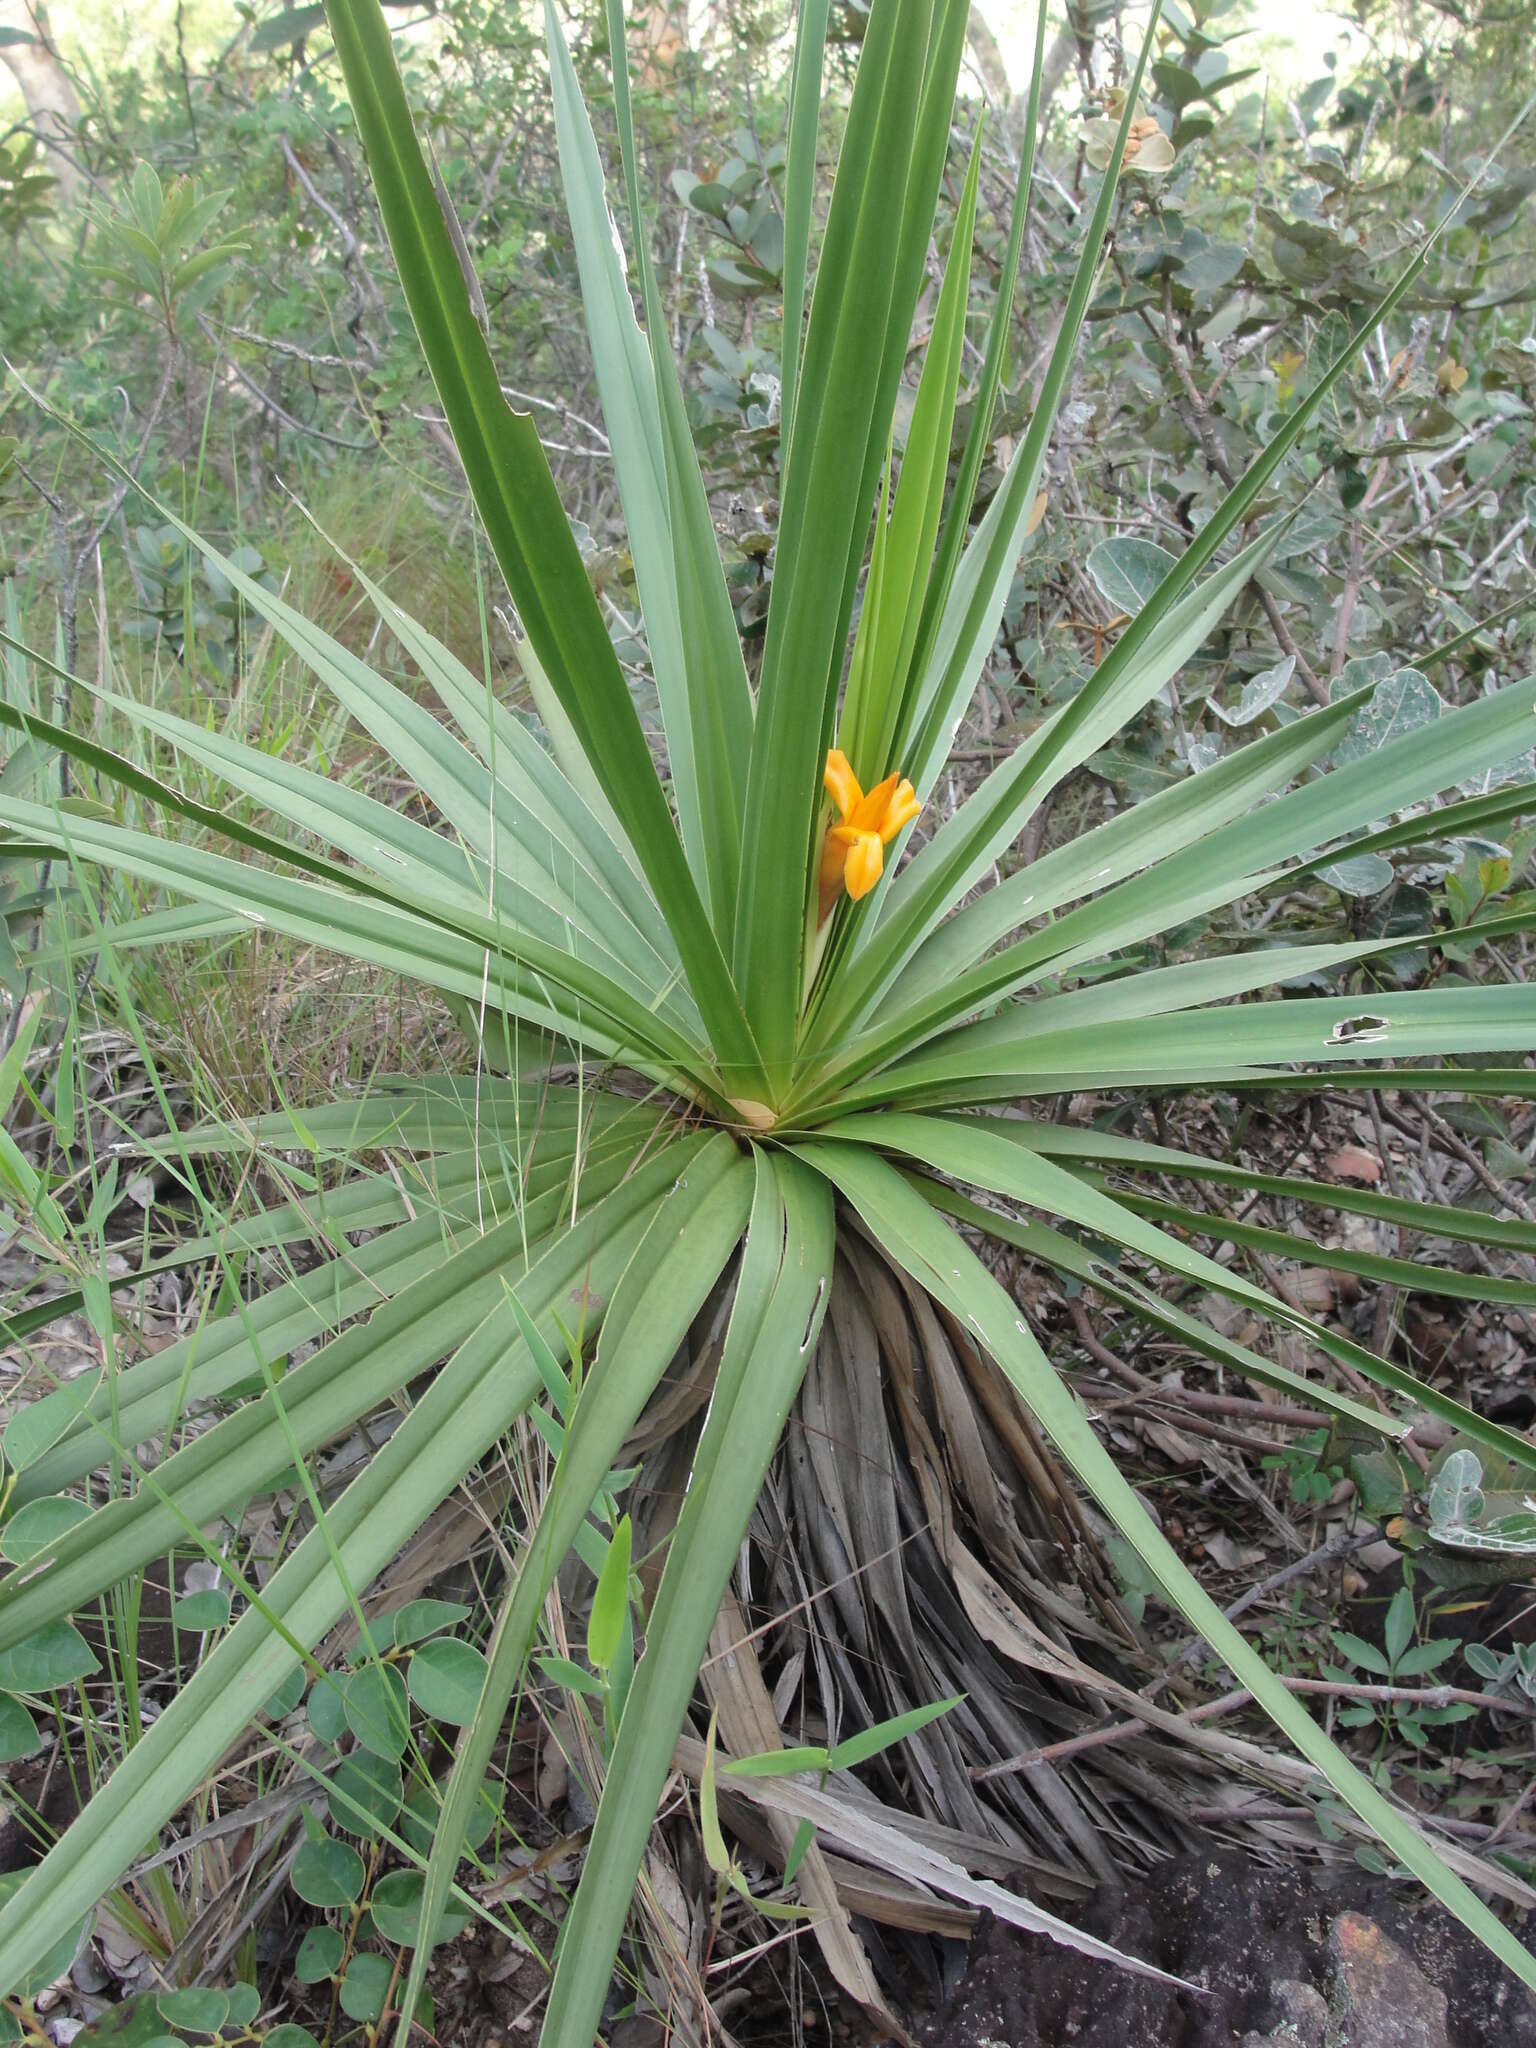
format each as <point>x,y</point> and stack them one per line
<point>734,1003</point>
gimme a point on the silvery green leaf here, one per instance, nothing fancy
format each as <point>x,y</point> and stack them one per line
<point>1128,570</point>
<point>1402,703</point>
<point>1366,875</point>
<point>1259,692</point>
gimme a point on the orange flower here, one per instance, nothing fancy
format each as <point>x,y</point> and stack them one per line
<point>853,853</point>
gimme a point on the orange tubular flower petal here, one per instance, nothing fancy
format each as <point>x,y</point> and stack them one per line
<point>869,811</point>
<point>865,861</point>
<point>852,853</point>
<point>901,810</point>
<point>841,784</point>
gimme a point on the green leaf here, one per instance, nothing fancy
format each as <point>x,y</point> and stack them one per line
<point>38,1524</point>
<point>201,1612</point>
<point>781,1296</point>
<point>365,1794</point>
<point>319,1955</point>
<point>526,523</point>
<point>701,679</point>
<point>54,1956</point>
<point>1400,705</point>
<point>55,1656</point>
<point>610,1602</point>
<point>445,1678</point>
<point>1398,1630</point>
<point>18,1731</point>
<point>374,1701</point>
<point>857,1749</point>
<point>395,1903</point>
<point>327,1712</point>
<point>866,287</point>
<point>327,1873</point>
<point>799,197</point>
<point>1128,570</point>
<point>716,1855</point>
<point>692,1233</point>
<point>421,1618</point>
<point>365,1987</point>
<point>937,1257</point>
<point>197,2010</point>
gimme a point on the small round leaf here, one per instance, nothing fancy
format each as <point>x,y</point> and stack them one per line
<point>420,1618</point>
<point>377,1710</point>
<point>326,1712</point>
<point>366,1986</point>
<point>40,1523</point>
<point>327,1873</point>
<point>197,2010</point>
<point>319,1955</point>
<point>396,1905</point>
<point>365,1794</point>
<point>18,1731</point>
<point>244,2004</point>
<point>200,1612</point>
<point>57,1655</point>
<point>423,1810</point>
<point>446,1678</point>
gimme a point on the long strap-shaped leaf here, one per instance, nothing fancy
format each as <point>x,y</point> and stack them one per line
<point>977,1151</point>
<point>967,844</point>
<point>1482,735</point>
<point>467,1407</point>
<point>892,612</point>
<point>979,436</point>
<point>994,1060</point>
<point>145,1399</point>
<point>701,679</point>
<point>1062,738</point>
<point>781,1295</point>
<point>442,943</point>
<point>683,1254</point>
<point>799,198</point>
<point>1430,1219</point>
<point>719,696</point>
<point>860,321</point>
<point>527,525</point>
<point>1118,1284</point>
<point>325,1395</point>
<point>939,1259</point>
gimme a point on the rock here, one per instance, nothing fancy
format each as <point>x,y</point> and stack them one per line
<point>1305,2024</point>
<point>1295,1957</point>
<point>1382,1999</point>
